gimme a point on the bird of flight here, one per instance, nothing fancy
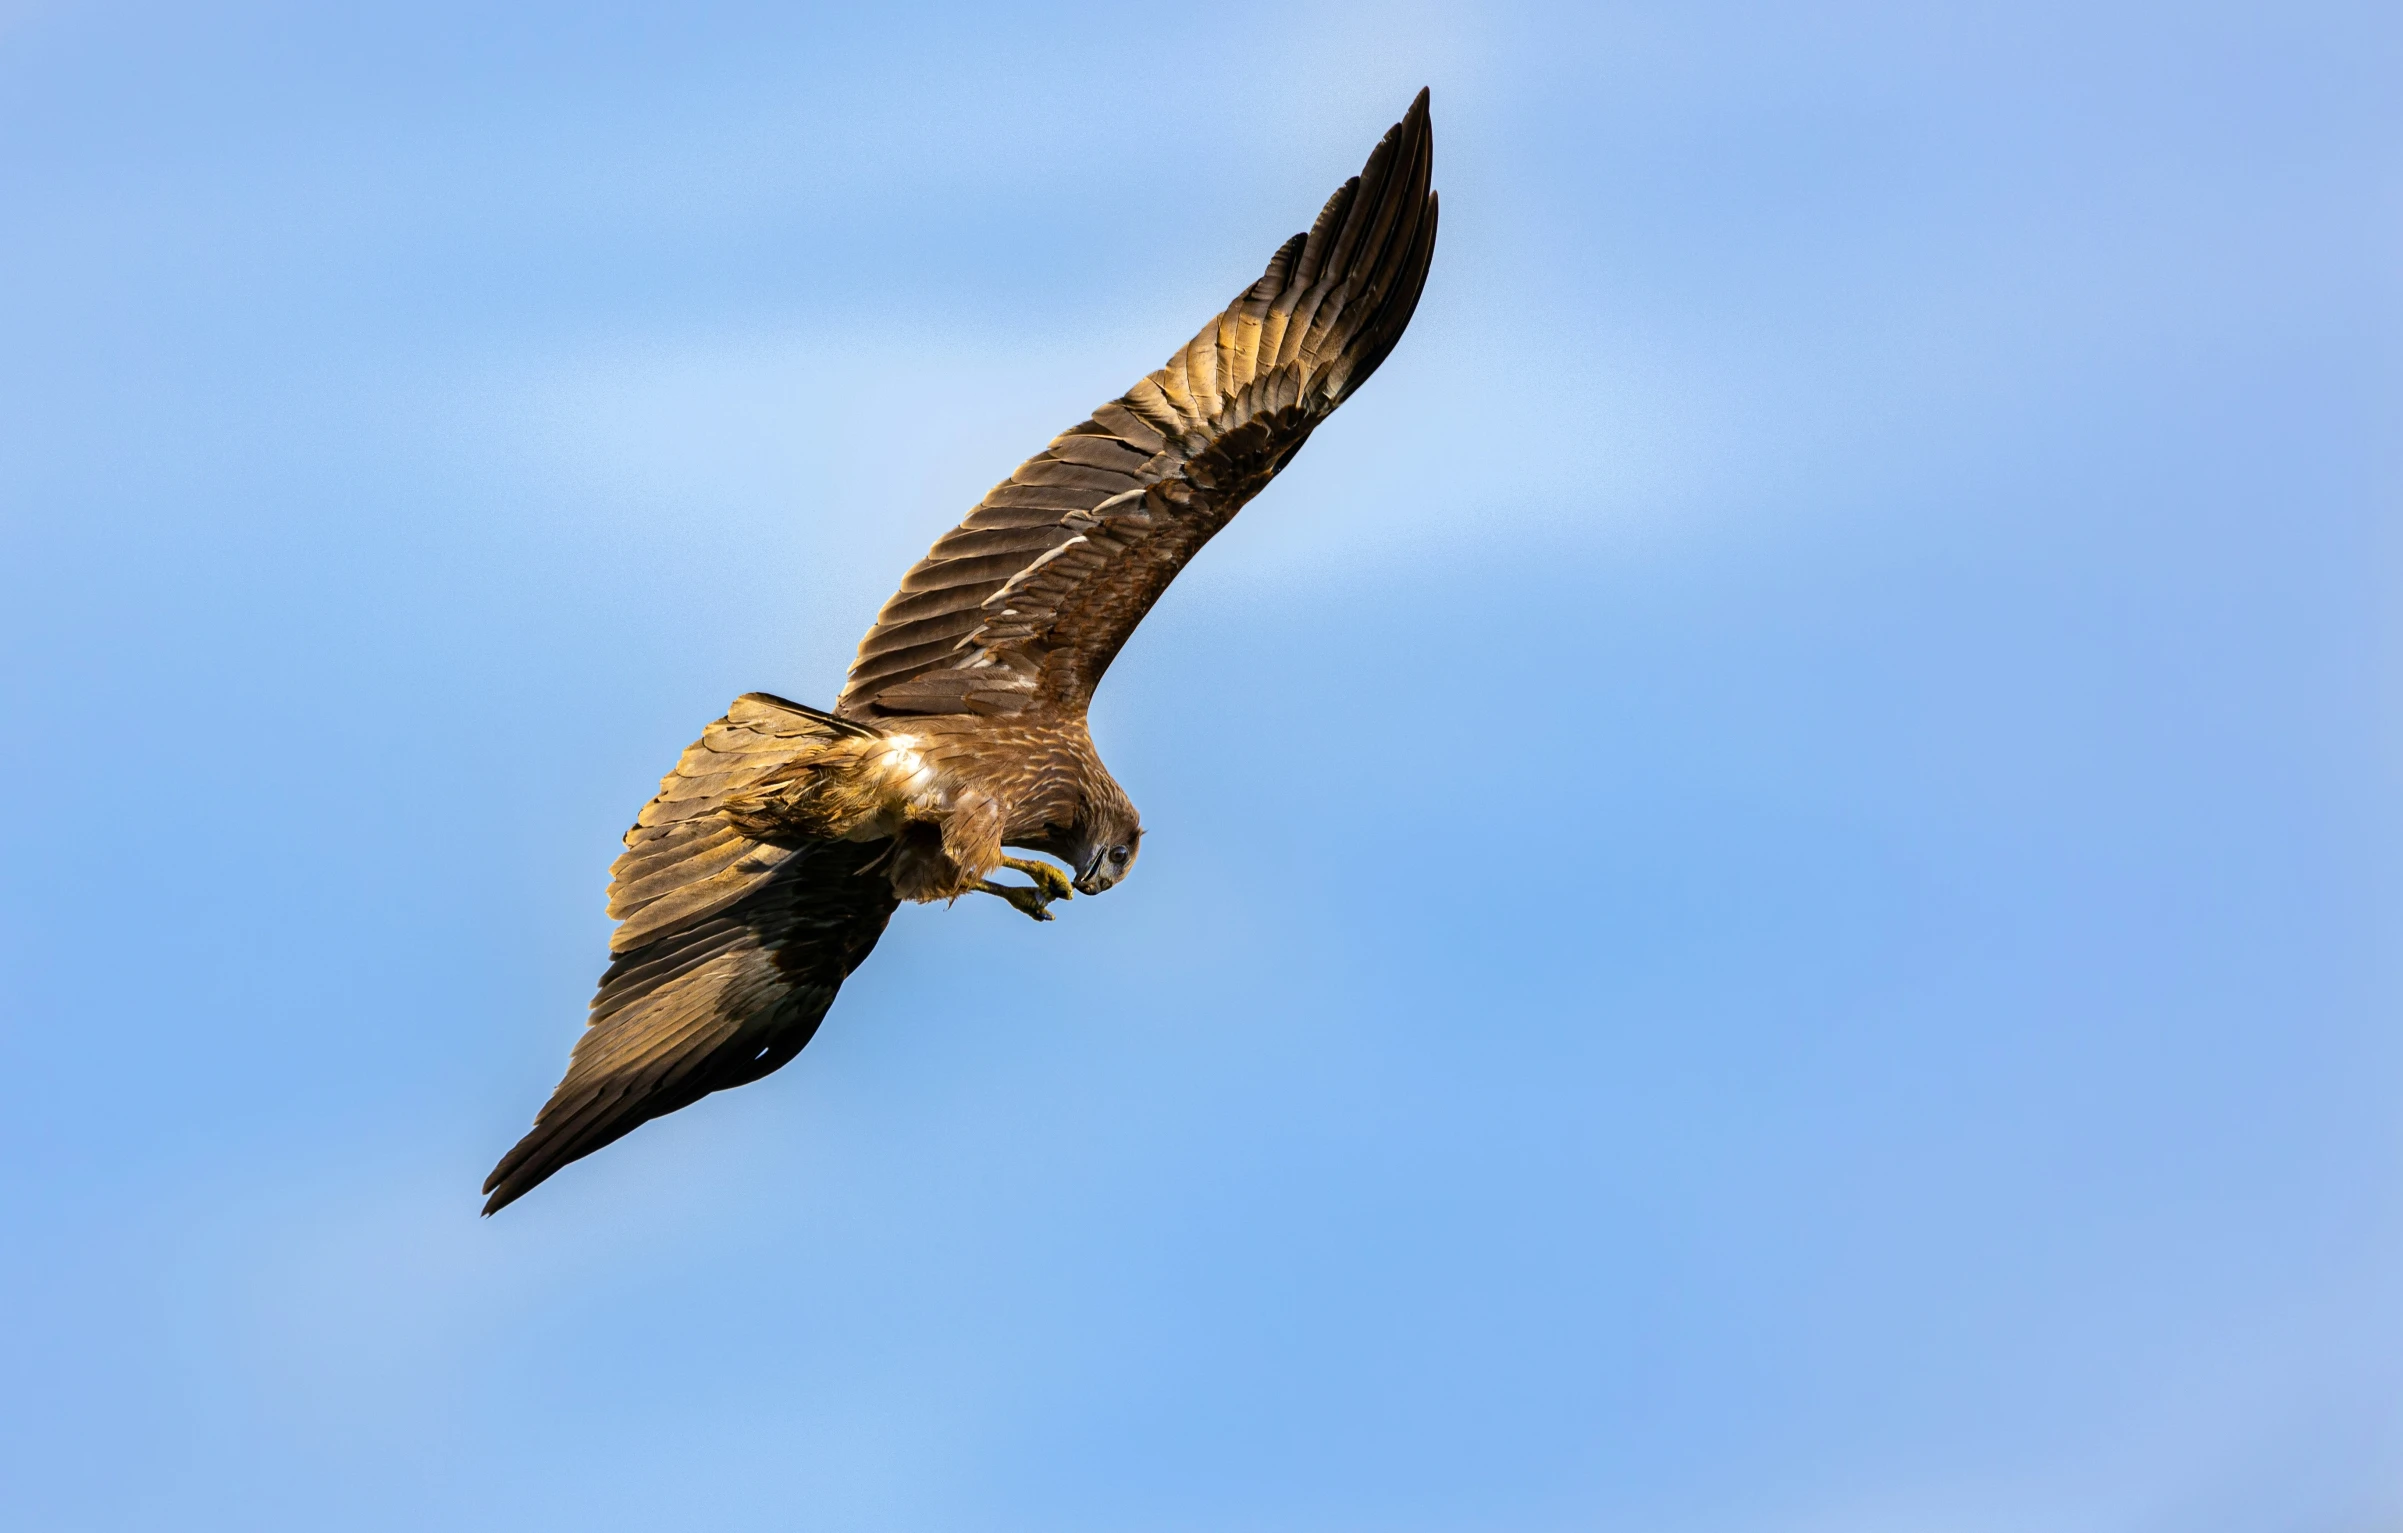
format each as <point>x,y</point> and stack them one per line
<point>787,836</point>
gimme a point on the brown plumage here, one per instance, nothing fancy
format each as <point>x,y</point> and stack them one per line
<point>785,838</point>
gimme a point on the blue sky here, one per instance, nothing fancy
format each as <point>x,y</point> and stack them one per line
<point>1773,872</point>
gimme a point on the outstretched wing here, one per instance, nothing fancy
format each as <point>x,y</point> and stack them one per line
<point>1030,598</point>
<point>728,953</point>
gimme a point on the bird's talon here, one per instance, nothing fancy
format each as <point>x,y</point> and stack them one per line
<point>1050,880</point>
<point>1028,900</point>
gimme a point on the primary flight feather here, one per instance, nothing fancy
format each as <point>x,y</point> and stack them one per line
<point>785,838</point>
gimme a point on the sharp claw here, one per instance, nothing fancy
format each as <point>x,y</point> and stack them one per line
<point>1030,901</point>
<point>1050,880</point>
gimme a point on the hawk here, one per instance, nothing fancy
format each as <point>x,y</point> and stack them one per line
<point>787,836</point>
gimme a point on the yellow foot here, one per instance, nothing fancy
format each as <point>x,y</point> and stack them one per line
<point>1026,899</point>
<point>1050,880</point>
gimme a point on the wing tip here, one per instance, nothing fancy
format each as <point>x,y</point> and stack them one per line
<point>509,1181</point>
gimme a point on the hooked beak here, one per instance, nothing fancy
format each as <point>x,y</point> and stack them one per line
<point>1087,876</point>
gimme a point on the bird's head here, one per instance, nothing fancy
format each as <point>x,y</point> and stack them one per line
<point>1109,847</point>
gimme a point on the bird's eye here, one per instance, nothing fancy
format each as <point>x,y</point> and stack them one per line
<point>1118,854</point>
